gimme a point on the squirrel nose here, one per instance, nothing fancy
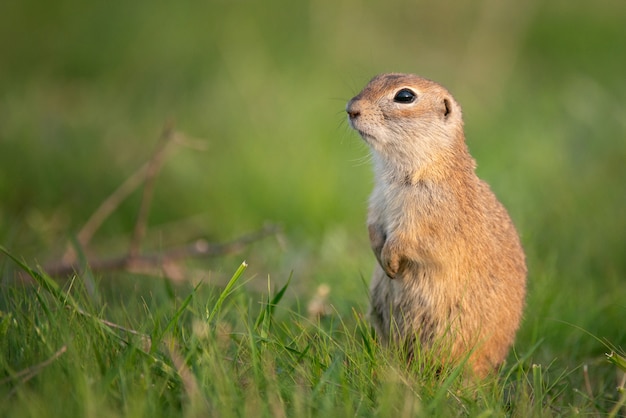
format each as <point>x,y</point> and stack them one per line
<point>352,110</point>
<point>352,114</point>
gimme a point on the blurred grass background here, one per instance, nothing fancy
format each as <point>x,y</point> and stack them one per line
<point>86,88</point>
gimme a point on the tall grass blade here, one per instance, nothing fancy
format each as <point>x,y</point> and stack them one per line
<point>617,360</point>
<point>266,313</point>
<point>538,389</point>
<point>363,330</point>
<point>175,318</point>
<point>520,361</point>
<point>86,273</point>
<point>42,279</point>
<point>441,393</point>
<point>619,405</point>
<point>227,291</point>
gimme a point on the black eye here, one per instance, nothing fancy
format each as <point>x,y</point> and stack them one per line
<point>405,96</point>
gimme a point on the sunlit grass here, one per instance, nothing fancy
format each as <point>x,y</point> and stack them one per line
<point>234,353</point>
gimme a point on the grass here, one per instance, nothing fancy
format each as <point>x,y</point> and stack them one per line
<point>223,362</point>
<point>85,90</point>
<point>232,354</point>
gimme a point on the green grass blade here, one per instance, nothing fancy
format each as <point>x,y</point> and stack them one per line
<point>617,360</point>
<point>41,279</point>
<point>227,291</point>
<point>443,390</point>
<point>86,274</point>
<point>268,310</point>
<point>174,320</point>
<point>538,388</point>
<point>519,364</point>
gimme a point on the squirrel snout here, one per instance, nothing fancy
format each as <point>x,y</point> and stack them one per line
<point>352,110</point>
<point>353,114</point>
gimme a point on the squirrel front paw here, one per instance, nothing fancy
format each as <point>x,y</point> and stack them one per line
<point>391,260</point>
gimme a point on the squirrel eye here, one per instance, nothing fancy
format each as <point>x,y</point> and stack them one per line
<point>405,96</point>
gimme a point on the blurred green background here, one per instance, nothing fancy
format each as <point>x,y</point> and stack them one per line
<point>86,88</point>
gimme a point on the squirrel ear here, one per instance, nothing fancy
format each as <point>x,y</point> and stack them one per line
<point>447,108</point>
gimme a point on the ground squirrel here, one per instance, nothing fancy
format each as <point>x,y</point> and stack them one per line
<point>451,271</point>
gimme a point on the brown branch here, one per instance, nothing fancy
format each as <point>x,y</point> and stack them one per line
<point>163,261</point>
<point>105,210</point>
<point>111,203</point>
<point>154,167</point>
<point>141,262</point>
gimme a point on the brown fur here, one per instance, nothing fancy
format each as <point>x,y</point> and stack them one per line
<point>451,271</point>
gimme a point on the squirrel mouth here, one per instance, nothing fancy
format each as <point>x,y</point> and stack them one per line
<point>358,125</point>
<point>367,137</point>
<point>362,132</point>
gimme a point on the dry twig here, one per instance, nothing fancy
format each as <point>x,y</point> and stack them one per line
<point>136,261</point>
<point>147,262</point>
<point>111,203</point>
<point>154,167</point>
